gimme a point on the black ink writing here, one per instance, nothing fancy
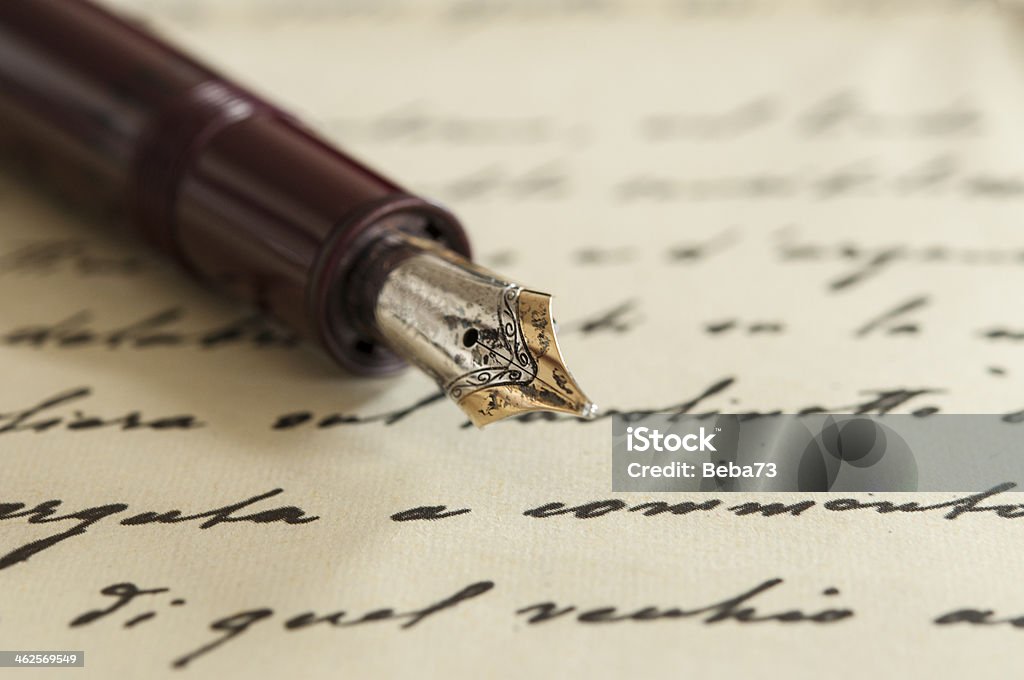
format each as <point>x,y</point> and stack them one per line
<point>52,413</point>
<point>46,512</point>
<point>737,609</point>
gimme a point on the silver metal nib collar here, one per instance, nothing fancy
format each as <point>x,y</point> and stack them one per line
<point>488,343</point>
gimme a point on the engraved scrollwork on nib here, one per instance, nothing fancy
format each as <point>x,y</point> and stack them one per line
<point>509,362</point>
<point>531,351</point>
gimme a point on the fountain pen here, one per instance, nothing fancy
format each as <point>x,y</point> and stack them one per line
<point>247,198</point>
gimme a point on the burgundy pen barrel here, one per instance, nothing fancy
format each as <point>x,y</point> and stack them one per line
<point>237,190</point>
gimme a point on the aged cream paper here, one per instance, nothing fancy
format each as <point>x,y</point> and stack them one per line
<point>783,205</point>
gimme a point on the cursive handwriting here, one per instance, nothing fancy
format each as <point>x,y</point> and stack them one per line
<point>46,512</point>
<point>948,510</point>
<point>159,330</point>
<point>52,414</point>
<point>232,626</point>
<point>736,608</point>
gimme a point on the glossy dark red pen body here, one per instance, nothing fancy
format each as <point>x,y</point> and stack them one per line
<point>246,197</point>
<point>235,189</point>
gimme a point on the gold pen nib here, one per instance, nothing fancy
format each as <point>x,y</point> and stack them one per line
<point>531,373</point>
<point>488,343</point>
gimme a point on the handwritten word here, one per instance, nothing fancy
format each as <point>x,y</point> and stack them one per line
<point>46,513</point>
<point>42,417</point>
<point>893,321</point>
<point>547,181</point>
<point>415,124</point>
<point>856,179</point>
<point>745,327</point>
<point>619,319</point>
<point>153,331</point>
<point>978,617</point>
<point>949,510</point>
<point>840,114</point>
<point>84,258</point>
<point>428,512</point>
<point>871,260</point>
<point>735,609</point>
